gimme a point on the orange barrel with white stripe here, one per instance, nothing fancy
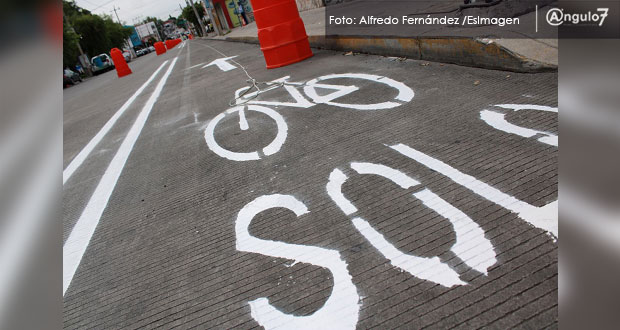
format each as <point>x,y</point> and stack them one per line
<point>281,32</point>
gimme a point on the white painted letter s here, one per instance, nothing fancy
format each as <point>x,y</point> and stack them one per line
<point>341,310</point>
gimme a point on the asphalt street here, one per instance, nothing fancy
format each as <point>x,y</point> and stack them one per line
<point>367,192</point>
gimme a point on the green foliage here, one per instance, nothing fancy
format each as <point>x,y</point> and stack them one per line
<point>188,14</point>
<point>70,51</point>
<point>156,20</point>
<point>95,33</point>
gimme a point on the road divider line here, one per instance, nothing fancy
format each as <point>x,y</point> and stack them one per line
<point>75,246</point>
<point>79,159</point>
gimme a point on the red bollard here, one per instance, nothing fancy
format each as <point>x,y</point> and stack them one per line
<point>170,44</point>
<point>159,48</point>
<point>122,69</point>
<point>281,32</point>
<point>191,37</point>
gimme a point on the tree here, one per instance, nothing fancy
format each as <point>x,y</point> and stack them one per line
<point>97,34</point>
<point>70,51</point>
<point>188,14</point>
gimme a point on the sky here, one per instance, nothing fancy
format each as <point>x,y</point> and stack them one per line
<point>133,11</point>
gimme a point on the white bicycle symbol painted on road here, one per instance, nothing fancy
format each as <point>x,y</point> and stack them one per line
<point>405,94</point>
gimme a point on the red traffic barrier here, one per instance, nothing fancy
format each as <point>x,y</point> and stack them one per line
<point>191,37</point>
<point>171,43</point>
<point>159,48</point>
<point>281,32</point>
<point>122,69</point>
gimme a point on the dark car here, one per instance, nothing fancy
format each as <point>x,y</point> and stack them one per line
<point>70,78</point>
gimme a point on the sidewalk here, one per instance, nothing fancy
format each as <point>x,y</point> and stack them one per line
<point>520,55</point>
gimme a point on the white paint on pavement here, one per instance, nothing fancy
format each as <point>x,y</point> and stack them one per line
<point>79,159</point>
<point>545,217</point>
<point>396,176</point>
<point>517,107</point>
<point>405,94</point>
<point>498,121</point>
<point>334,189</point>
<point>300,100</point>
<point>222,63</point>
<point>243,122</point>
<point>471,245</point>
<point>197,65</point>
<point>431,269</point>
<point>270,149</point>
<point>340,311</point>
<point>75,246</point>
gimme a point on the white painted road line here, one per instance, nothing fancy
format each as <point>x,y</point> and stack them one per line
<point>545,217</point>
<point>79,159</point>
<point>76,244</point>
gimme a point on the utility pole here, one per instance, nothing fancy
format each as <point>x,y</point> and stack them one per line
<point>84,60</point>
<point>202,26</point>
<point>186,22</point>
<point>127,44</point>
<point>207,4</point>
<point>119,20</point>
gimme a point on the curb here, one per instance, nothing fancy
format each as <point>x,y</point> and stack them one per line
<point>481,53</point>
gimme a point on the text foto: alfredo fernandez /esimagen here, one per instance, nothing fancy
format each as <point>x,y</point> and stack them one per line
<point>406,20</point>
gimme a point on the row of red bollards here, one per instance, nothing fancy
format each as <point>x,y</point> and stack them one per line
<point>122,69</point>
<point>281,33</point>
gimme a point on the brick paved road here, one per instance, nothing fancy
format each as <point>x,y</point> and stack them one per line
<point>171,247</point>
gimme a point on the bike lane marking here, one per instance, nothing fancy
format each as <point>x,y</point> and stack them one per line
<point>222,64</point>
<point>545,217</point>
<point>83,154</point>
<point>340,311</point>
<point>471,245</point>
<point>498,121</point>
<point>77,242</point>
<point>271,149</point>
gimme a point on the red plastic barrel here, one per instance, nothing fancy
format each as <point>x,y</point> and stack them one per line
<point>159,48</point>
<point>281,32</point>
<point>122,69</point>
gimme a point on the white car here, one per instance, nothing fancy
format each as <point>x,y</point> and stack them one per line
<point>127,56</point>
<point>151,48</point>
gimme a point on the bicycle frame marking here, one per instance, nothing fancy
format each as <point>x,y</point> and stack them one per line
<point>405,94</point>
<point>300,100</point>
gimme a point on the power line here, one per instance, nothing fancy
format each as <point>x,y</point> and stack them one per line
<point>104,4</point>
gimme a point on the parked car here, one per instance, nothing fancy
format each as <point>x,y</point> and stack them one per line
<point>151,48</point>
<point>127,56</point>
<point>101,63</point>
<point>142,52</point>
<point>70,78</point>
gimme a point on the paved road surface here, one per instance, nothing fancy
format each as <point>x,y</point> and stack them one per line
<point>431,212</point>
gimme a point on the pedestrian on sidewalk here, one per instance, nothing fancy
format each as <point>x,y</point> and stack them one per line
<point>242,12</point>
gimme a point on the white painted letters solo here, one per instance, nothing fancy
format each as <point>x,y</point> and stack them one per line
<point>341,310</point>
